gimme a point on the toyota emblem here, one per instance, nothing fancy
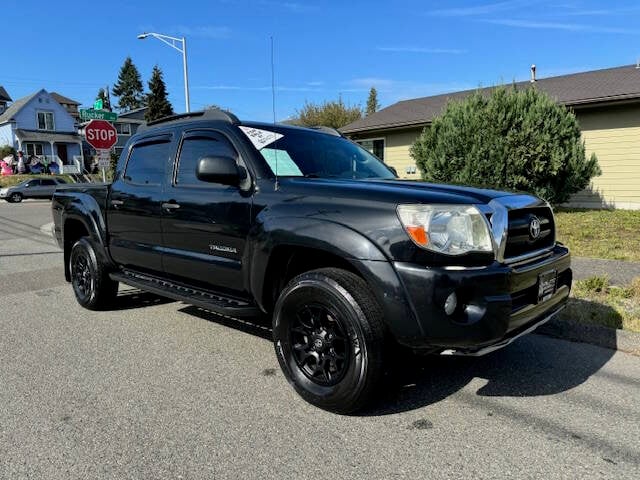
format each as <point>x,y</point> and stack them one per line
<point>534,227</point>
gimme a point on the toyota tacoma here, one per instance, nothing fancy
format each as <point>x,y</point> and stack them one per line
<point>249,219</point>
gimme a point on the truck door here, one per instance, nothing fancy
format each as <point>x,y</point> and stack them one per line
<point>134,208</point>
<point>205,225</point>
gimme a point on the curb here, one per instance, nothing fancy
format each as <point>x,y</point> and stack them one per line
<point>620,340</point>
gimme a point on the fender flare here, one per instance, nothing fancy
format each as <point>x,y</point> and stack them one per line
<point>86,210</point>
<point>318,234</point>
<point>351,245</point>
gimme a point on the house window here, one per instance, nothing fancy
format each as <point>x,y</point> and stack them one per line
<point>33,149</point>
<point>45,121</point>
<point>373,145</point>
<point>123,128</point>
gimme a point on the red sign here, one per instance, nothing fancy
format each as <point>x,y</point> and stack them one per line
<point>101,134</point>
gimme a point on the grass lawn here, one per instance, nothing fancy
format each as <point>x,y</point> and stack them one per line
<point>10,180</point>
<point>594,301</point>
<point>612,234</point>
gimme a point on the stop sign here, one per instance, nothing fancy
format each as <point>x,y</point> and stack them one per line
<point>101,134</point>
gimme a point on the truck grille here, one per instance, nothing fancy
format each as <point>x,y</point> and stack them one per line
<point>521,238</point>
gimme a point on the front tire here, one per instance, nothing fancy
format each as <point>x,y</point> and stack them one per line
<point>329,337</point>
<point>15,197</point>
<point>91,284</point>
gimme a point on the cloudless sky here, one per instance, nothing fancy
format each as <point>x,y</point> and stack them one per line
<point>323,49</point>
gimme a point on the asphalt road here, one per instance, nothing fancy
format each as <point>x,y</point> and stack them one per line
<point>158,389</point>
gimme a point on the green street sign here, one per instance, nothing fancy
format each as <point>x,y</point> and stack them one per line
<point>91,114</point>
<point>98,104</point>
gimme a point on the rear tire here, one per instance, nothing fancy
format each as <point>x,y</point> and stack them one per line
<point>329,337</point>
<point>91,284</point>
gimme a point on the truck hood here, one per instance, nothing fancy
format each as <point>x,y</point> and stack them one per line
<point>396,191</point>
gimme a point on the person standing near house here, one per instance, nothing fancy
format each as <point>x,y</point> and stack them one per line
<point>45,163</point>
<point>12,162</point>
<point>21,167</point>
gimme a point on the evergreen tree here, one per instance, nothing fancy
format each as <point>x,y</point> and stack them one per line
<point>333,114</point>
<point>372,102</point>
<point>128,88</point>
<point>157,101</point>
<point>518,140</point>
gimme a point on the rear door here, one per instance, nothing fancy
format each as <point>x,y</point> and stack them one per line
<point>134,208</point>
<point>48,186</point>
<point>205,225</point>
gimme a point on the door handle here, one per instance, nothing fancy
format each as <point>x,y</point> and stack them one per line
<point>117,203</point>
<point>170,206</point>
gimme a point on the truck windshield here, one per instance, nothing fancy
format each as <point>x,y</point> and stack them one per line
<point>307,153</point>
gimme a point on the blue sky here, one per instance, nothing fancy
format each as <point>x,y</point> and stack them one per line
<point>323,49</point>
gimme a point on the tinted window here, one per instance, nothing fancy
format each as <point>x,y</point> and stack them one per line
<point>196,147</point>
<point>32,183</point>
<point>48,182</point>
<point>147,163</point>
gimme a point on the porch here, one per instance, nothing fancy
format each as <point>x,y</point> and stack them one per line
<point>64,149</point>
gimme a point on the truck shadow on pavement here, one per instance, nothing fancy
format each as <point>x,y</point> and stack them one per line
<point>130,298</point>
<point>534,365</point>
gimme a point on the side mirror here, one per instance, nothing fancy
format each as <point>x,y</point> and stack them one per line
<point>220,169</point>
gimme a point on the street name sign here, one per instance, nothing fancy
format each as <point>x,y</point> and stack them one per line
<point>91,114</point>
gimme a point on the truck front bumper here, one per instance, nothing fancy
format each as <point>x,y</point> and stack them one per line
<point>494,304</point>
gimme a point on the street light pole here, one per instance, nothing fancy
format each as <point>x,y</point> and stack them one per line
<point>186,76</point>
<point>172,42</point>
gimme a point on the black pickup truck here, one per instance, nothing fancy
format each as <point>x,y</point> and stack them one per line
<point>249,219</point>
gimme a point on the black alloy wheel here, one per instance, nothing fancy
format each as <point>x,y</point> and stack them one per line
<point>82,277</point>
<point>330,340</point>
<point>320,343</point>
<point>89,278</point>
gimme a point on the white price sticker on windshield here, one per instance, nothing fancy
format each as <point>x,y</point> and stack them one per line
<point>260,138</point>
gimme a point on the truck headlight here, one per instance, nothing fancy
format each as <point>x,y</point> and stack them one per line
<point>448,229</point>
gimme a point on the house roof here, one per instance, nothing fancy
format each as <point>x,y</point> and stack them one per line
<point>15,107</point>
<point>40,136</point>
<point>4,96</point>
<point>62,99</point>
<point>577,89</point>
<point>135,114</point>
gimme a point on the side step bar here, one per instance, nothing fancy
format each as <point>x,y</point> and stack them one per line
<point>211,301</point>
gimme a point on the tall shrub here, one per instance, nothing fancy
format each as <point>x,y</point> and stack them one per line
<point>519,140</point>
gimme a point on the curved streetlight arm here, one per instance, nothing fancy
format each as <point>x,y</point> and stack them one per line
<point>172,42</point>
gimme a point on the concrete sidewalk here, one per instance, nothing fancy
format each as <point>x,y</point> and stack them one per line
<point>620,272</point>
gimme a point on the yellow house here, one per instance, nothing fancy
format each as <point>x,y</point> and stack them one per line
<point>606,103</point>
